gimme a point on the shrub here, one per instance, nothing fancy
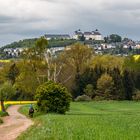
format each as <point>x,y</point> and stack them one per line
<point>1,121</point>
<point>136,96</point>
<point>99,98</point>
<point>89,91</point>
<point>53,97</point>
<point>3,114</point>
<point>83,98</point>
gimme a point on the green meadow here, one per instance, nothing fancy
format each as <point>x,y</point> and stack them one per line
<point>106,120</point>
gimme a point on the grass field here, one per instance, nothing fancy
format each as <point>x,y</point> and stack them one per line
<point>88,121</point>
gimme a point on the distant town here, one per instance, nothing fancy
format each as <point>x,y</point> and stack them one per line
<point>112,44</point>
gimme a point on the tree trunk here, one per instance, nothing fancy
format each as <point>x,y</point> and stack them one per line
<point>2,106</point>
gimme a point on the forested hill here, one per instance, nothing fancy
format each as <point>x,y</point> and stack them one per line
<point>26,43</point>
<point>21,44</point>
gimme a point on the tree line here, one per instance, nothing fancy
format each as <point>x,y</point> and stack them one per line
<point>85,74</point>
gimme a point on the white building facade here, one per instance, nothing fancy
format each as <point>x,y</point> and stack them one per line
<point>94,35</point>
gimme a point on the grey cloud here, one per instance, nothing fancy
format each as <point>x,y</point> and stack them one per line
<point>6,19</point>
<point>32,18</point>
<point>121,5</point>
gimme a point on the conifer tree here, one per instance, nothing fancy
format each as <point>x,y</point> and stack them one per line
<point>128,85</point>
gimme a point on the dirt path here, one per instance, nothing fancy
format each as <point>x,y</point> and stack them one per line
<point>14,124</point>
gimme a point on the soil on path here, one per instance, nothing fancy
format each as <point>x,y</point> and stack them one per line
<point>14,124</point>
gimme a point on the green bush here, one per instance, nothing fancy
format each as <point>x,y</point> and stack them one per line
<point>136,96</point>
<point>83,98</point>
<point>2,114</point>
<point>53,97</point>
<point>89,91</point>
<point>1,121</point>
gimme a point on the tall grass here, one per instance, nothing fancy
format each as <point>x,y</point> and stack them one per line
<point>88,121</point>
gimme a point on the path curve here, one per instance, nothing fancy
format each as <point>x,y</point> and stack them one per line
<point>14,124</point>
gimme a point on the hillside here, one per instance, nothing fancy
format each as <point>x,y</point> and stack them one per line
<point>27,43</point>
<point>21,44</point>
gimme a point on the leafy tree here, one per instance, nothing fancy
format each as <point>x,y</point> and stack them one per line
<point>78,56</point>
<point>27,81</point>
<point>33,69</point>
<point>89,76</point>
<point>115,38</point>
<point>89,91</point>
<point>73,61</point>
<point>6,92</point>
<point>105,87</point>
<point>41,46</point>
<point>53,97</point>
<point>13,73</point>
<point>108,62</point>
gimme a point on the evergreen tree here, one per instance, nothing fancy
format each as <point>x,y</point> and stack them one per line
<point>118,82</point>
<point>128,85</point>
<point>90,76</point>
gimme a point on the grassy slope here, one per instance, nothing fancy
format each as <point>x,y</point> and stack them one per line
<point>88,121</point>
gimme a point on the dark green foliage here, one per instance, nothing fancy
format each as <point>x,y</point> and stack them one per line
<point>28,43</point>
<point>3,114</point>
<point>7,91</point>
<point>90,76</point>
<point>118,82</point>
<point>113,38</point>
<point>128,85</point>
<point>78,89</point>
<point>52,97</point>
<point>123,86</point>
<point>133,66</point>
<point>89,91</point>
<point>1,121</point>
<point>137,79</point>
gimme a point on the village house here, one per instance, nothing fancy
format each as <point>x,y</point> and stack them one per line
<point>11,52</point>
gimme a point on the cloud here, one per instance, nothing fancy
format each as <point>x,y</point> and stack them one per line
<point>27,18</point>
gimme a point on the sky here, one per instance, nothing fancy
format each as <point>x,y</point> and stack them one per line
<point>21,19</point>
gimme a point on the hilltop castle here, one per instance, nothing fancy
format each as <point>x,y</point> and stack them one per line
<point>93,35</point>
